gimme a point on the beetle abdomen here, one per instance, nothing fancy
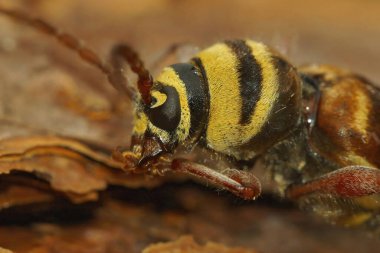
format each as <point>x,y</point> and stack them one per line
<point>347,129</point>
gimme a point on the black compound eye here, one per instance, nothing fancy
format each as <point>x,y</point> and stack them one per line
<point>165,109</point>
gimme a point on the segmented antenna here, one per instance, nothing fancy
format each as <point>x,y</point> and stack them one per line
<point>120,55</point>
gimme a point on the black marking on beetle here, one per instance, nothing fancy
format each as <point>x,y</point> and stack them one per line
<point>168,115</point>
<point>203,119</point>
<point>196,96</point>
<point>250,78</point>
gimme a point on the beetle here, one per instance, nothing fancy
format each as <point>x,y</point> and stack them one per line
<point>317,127</point>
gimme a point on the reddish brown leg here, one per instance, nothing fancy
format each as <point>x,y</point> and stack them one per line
<point>241,183</point>
<point>351,181</point>
<point>119,55</point>
<point>128,160</point>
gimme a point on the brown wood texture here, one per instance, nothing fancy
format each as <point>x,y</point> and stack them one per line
<point>45,90</point>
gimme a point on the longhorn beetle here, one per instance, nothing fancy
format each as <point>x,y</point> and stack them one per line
<point>316,127</point>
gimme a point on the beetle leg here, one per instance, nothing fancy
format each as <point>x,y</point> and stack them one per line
<point>127,159</point>
<point>241,183</point>
<point>350,181</point>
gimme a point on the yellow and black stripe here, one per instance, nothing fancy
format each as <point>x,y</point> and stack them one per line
<point>234,95</point>
<point>250,78</point>
<point>190,106</point>
<point>251,90</point>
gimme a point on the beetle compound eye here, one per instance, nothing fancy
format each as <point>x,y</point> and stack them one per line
<point>165,111</point>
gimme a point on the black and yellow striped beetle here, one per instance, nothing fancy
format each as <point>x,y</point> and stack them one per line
<point>317,127</point>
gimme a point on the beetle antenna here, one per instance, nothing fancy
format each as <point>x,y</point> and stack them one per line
<point>122,53</point>
<point>119,54</point>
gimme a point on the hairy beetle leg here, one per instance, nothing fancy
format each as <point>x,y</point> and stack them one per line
<point>350,181</point>
<point>240,183</point>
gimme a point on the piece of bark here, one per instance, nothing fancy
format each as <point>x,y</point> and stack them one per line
<point>131,220</point>
<point>18,195</point>
<point>186,244</point>
<point>69,166</point>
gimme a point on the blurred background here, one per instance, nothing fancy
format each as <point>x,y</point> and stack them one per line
<point>341,32</point>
